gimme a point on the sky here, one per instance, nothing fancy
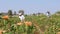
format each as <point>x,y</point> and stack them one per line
<point>30,6</point>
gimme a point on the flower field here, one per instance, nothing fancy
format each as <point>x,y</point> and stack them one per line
<point>32,25</point>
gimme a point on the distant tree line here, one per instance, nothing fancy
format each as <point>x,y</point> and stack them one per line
<point>11,13</point>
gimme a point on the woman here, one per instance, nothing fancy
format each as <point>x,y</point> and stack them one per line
<point>48,14</point>
<point>21,16</point>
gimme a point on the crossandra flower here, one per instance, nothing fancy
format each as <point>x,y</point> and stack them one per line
<point>1,31</point>
<point>19,23</point>
<point>6,17</point>
<point>58,33</point>
<point>28,23</point>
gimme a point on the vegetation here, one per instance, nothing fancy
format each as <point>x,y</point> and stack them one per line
<point>33,25</point>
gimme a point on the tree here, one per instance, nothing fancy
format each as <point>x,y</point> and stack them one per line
<point>0,13</point>
<point>34,14</point>
<point>38,14</point>
<point>10,12</point>
<point>58,12</point>
<point>14,12</point>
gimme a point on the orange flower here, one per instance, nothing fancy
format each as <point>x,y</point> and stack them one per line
<point>5,17</point>
<point>58,33</point>
<point>19,23</point>
<point>28,23</point>
<point>1,31</point>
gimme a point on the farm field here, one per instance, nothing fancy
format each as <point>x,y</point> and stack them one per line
<point>32,25</point>
<point>29,17</point>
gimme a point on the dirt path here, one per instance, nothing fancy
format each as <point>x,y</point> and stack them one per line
<point>38,28</point>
